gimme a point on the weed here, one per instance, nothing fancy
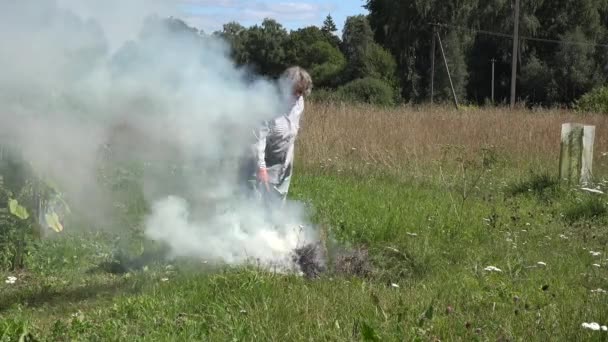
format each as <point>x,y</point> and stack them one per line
<point>16,330</point>
<point>588,208</point>
<point>541,185</point>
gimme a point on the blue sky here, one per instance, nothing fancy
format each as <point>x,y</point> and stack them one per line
<point>209,15</point>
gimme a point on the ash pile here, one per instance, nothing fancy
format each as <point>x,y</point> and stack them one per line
<point>314,261</point>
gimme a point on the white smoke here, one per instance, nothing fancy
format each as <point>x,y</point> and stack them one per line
<point>70,71</point>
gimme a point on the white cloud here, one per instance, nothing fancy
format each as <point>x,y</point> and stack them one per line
<point>215,3</point>
<point>210,15</point>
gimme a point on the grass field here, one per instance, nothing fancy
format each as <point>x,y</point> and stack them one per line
<point>435,197</point>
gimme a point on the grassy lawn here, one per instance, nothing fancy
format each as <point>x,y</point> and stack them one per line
<point>429,247</point>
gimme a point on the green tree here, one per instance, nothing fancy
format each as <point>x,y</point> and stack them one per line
<point>536,81</point>
<point>236,35</point>
<point>455,46</point>
<point>266,47</point>
<point>327,63</point>
<point>402,26</point>
<point>368,90</point>
<point>366,59</point>
<point>328,25</point>
<point>313,49</point>
<point>299,44</point>
<point>575,72</point>
<point>380,64</point>
<point>357,39</point>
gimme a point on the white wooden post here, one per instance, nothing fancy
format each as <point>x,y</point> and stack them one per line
<point>576,156</point>
<point>588,141</point>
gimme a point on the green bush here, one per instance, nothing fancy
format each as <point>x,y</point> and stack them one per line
<point>368,90</point>
<point>595,101</point>
<point>325,95</point>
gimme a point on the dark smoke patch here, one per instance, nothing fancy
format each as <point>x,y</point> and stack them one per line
<point>311,260</point>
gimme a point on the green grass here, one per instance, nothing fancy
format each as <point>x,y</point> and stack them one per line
<point>423,236</point>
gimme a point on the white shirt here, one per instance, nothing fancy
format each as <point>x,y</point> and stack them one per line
<point>276,140</point>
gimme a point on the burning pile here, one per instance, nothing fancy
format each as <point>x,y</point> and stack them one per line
<point>313,259</point>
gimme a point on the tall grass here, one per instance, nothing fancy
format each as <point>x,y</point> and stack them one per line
<point>409,138</point>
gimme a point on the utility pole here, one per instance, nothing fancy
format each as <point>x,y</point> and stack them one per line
<point>433,66</point>
<point>447,68</point>
<point>493,61</point>
<point>515,52</point>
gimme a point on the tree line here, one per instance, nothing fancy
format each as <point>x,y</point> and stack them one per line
<point>352,67</point>
<point>385,57</point>
<point>566,57</point>
<point>386,54</point>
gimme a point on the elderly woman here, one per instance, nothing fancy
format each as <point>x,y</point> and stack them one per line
<point>275,139</point>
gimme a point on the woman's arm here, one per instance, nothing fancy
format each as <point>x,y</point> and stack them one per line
<point>260,145</point>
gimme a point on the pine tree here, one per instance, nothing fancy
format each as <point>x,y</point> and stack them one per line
<point>328,25</point>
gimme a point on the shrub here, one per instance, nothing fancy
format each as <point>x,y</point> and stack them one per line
<point>368,90</point>
<point>595,101</point>
<point>324,95</point>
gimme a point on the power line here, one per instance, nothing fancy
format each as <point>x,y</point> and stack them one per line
<point>506,35</point>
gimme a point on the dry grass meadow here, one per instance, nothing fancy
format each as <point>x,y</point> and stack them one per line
<point>408,138</point>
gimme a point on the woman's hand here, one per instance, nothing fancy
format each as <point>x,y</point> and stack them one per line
<point>263,175</point>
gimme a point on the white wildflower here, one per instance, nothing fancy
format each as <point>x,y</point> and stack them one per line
<point>597,265</point>
<point>594,326</point>
<point>595,191</point>
<point>164,279</point>
<point>562,236</point>
<point>540,263</point>
<point>595,253</point>
<point>395,286</point>
<point>10,280</point>
<point>492,269</point>
<point>412,234</point>
<point>599,291</point>
<point>393,249</point>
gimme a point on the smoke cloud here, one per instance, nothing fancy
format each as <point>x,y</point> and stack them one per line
<point>73,74</point>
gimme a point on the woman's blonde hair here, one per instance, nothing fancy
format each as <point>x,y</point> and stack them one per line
<point>300,80</point>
